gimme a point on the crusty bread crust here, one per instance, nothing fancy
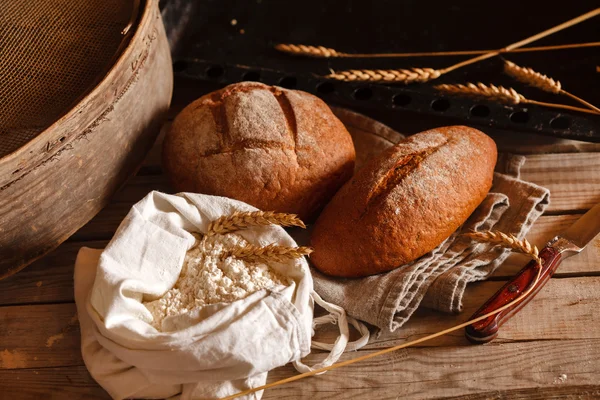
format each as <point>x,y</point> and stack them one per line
<point>405,202</point>
<point>277,149</point>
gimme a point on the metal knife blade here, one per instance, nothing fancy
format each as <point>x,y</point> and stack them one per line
<point>584,229</point>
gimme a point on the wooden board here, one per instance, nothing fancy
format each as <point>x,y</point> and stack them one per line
<point>75,383</point>
<point>436,372</point>
<point>573,180</point>
<point>50,383</point>
<point>48,280</point>
<point>39,336</point>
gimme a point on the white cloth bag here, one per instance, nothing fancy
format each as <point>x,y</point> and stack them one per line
<point>217,351</point>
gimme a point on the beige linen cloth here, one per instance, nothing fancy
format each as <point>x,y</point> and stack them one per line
<point>438,279</point>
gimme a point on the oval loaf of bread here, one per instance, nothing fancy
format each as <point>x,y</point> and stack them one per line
<point>276,149</point>
<point>404,202</point>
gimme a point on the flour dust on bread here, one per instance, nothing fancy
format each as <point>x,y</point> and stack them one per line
<point>276,149</point>
<point>404,202</point>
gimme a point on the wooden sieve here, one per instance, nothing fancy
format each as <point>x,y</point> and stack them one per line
<point>84,87</point>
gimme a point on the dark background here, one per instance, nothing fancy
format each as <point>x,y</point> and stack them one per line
<point>202,36</point>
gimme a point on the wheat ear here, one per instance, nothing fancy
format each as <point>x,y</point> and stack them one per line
<point>269,253</point>
<point>540,81</point>
<point>426,74</point>
<point>387,75</point>
<point>506,240</point>
<point>242,220</point>
<point>531,77</point>
<point>328,52</point>
<point>489,92</point>
<point>500,94</point>
<point>309,51</point>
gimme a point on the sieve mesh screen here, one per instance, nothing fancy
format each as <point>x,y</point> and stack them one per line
<point>51,54</point>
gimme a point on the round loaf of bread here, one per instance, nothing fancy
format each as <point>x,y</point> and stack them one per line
<point>404,202</point>
<point>276,149</point>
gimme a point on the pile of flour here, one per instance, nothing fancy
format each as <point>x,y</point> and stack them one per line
<point>207,278</point>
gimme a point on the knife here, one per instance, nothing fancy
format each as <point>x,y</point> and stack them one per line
<point>566,244</point>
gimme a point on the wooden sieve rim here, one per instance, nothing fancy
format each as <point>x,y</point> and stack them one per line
<point>85,115</point>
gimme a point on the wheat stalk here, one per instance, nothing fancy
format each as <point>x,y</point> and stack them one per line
<point>328,52</point>
<point>269,253</point>
<point>426,74</point>
<point>242,220</point>
<point>500,94</point>
<point>540,81</point>
<point>506,240</point>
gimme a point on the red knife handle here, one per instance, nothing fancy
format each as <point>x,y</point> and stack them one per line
<point>487,329</point>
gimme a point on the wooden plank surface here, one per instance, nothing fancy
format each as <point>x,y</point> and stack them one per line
<point>39,336</point>
<point>76,383</point>
<point>437,372</point>
<point>573,180</point>
<point>48,280</point>
<point>548,339</point>
<point>47,335</point>
<point>50,384</point>
<point>562,392</point>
